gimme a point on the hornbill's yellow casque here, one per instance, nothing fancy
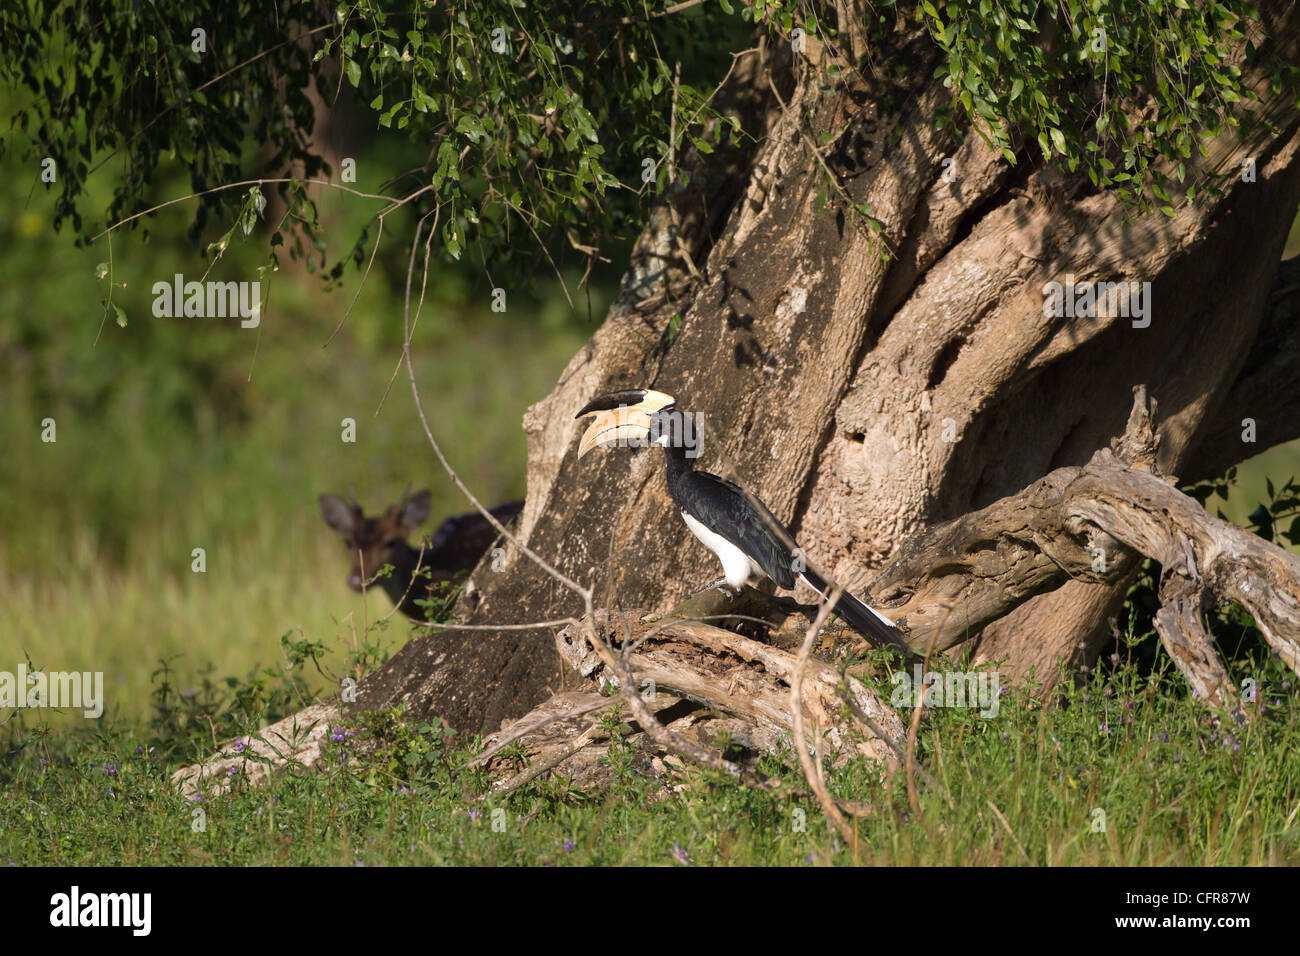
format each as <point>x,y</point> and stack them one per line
<point>737,527</point>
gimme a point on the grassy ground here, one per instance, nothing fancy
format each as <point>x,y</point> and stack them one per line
<point>1124,771</point>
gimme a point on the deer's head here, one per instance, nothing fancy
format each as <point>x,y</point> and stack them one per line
<point>377,541</point>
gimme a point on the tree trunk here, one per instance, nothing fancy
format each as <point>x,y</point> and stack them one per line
<point>868,385</point>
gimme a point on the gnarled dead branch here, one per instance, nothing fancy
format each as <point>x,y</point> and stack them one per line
<point>1092,524</point>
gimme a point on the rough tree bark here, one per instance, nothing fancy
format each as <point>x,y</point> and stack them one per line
<point>867,398</point>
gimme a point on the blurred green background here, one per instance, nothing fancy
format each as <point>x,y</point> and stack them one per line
<point>175,434</point>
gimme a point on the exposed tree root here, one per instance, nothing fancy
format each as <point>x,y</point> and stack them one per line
<point>295,740</point>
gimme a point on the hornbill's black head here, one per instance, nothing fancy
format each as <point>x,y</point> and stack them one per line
<point>627,417</point>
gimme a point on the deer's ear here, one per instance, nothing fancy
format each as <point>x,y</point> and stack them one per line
<point>337,514</point>
<point>415,509</point>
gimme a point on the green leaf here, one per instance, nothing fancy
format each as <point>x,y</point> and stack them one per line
<point>353,70</point>
<point>472,127</point>
<point>1293,534</point>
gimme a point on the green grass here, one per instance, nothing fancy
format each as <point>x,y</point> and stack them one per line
<point>1127,743</point>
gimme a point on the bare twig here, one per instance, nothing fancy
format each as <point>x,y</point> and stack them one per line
<point>913,729</point>
<point>394,203</point>
<point>564,579</point>
<point>813,774</point>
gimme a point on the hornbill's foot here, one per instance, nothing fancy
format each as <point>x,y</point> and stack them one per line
<point>721,585</point>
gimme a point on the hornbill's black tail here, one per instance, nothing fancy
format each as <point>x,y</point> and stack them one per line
<point>872,625</point>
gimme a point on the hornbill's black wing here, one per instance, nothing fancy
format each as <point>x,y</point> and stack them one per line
<point>746,522</point>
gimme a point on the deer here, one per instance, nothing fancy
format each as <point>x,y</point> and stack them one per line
<point>456,547</point>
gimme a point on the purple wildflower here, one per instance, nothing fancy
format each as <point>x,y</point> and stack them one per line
<point>679,854</point>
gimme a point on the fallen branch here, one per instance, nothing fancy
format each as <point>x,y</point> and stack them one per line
<point>1094,524</point>
<point>813,772</point>
<point>299,739</point>
<point>734,675</point>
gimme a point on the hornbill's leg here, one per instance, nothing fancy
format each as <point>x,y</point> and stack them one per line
<point>720,584</point>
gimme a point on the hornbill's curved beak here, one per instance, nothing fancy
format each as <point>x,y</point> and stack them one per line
<point>622,418</point>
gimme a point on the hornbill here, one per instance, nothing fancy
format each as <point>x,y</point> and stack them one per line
<point>746,537</point>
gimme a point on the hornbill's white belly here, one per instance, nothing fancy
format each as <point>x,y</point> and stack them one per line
<point>736,564</point>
